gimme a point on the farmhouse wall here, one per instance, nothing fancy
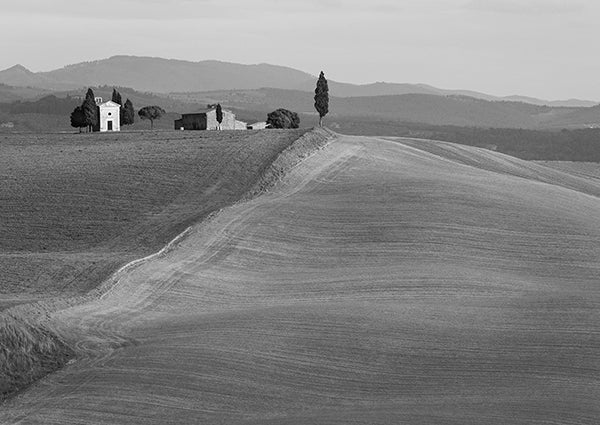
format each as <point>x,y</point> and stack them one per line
<point>191,122</point>
<point>228,120</point>
<point>208,121</point>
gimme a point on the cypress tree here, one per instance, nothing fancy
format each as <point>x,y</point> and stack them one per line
<point>128,113</point>
<point>90,110</point>
<point>116,97</point>
<point>219,115</point>
<point>322,98</point>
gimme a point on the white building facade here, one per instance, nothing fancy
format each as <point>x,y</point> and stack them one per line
<point>109,116</point>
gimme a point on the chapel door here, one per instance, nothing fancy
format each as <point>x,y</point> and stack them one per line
<point>109,123</point>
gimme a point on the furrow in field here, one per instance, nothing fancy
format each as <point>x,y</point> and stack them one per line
<point>380,282</point>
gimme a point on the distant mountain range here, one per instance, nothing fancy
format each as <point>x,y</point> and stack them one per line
<point>254,90</point>
<point>159,75</point>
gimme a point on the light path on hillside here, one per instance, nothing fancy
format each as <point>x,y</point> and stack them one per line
<point>382,282</point>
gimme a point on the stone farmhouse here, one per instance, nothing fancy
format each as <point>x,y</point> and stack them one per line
<point>109,115</point>
<point>207,120</point>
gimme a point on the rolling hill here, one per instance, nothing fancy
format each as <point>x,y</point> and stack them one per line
<point>255,90</point>
<point>460,119</point>
<point>356,115</point>
<point>381,282</point>
<point>11,93</point>
<point>416,108</point>
<point>76,207</point>
<point>157,75</point>
<point>160,75</point>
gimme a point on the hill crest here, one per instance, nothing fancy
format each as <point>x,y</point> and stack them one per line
<point>160,75</point>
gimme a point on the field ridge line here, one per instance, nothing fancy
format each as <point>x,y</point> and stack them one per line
<point>132,264</point>
<point>299,150</point>
<point>39,313</point>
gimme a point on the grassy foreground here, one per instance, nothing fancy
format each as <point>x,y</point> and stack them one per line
<point>76,207</point>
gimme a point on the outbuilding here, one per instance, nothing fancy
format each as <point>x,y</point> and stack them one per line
<point>240,125</point>
<point>207,120</point>
<point>257,126</point>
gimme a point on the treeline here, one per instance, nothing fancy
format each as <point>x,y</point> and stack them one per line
<point>50,105</point>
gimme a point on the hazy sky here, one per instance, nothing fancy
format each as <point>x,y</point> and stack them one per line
<point>543,48</point>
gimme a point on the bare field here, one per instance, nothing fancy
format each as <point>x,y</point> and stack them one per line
<point>75,207</point>
<point>383,282</point>
<point>584,169</point>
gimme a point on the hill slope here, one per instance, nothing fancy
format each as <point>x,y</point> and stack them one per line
<point>416,108</point>
<point>10,94</point>
<point>76,207</point>
<point>158,75</point>
<point>255,104</point>
<point>169,75</point>
<point>383,282</point>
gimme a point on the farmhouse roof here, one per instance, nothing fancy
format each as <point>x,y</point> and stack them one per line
<point>205,111</point>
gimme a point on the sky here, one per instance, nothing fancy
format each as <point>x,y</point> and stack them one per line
<point>540,48</point>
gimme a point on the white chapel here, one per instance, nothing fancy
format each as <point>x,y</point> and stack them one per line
<point>109,115</point>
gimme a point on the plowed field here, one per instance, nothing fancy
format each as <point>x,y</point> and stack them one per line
<point>73,208</point>
<point>382,282</point>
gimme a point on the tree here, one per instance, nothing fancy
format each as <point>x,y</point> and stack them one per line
<point>219,115</point>
<point>322,98</point>
<point>78,118</point>
<point>90,110</point>
<point>116,97</point>
<point>283,118</point>
<point>151,113</point>
<point>128,113</point>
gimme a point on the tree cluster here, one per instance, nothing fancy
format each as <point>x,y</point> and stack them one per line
<point>283,118</point>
